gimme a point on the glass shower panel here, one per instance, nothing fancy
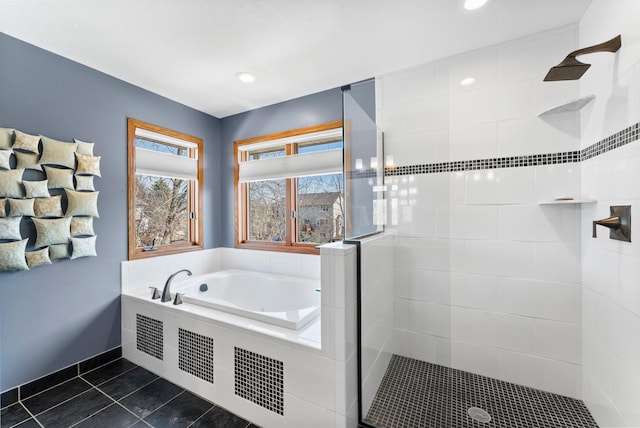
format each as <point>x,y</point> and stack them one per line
<point>364,168</point>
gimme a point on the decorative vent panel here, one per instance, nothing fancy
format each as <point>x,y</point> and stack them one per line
<point>149,336</point>
<point>195,354</point>
<point>259,379</point>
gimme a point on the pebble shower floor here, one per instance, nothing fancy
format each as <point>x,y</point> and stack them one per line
<point>417,394</point>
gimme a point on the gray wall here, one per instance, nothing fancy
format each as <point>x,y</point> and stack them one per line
<point>304,111</point>
<point>59,314</point>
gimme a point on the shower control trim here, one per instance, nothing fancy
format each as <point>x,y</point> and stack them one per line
<point>619,223</point>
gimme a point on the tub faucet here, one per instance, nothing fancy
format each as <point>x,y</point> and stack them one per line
<point>166,293</point>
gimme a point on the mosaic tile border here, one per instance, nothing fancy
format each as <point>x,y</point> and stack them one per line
<point>619,139</point>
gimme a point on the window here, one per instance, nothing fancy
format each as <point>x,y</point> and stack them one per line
<point>165,191</point>
<point>289,189</point>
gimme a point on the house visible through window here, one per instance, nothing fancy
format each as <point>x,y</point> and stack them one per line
<point>165,179</point>
<point>289,189</point>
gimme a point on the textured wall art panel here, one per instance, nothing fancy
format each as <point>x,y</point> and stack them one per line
<point>47,199</point>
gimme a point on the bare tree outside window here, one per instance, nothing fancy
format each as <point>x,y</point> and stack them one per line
<point>162,204</point>
<point>162,215</point>
<point>267,210</point>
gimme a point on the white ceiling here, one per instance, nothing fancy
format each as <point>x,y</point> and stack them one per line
<point>190,50</point>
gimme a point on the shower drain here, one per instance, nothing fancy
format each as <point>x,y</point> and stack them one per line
<point>478,414</point>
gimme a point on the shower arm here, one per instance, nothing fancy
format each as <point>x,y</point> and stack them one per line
<point>609,46</point>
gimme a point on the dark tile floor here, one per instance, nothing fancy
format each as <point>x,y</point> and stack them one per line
<point>417,394</point>
<point>118,394</point>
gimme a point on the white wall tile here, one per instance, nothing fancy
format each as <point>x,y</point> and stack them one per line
<point>401,314</point>
<point>600,406</point>
<point>629,279</point>
<point>429,318</point>
<point>423,347</point>
<point>515,333</point>
<point>412,85</point>
<point>515,100</point>
<point>625,393</point>
<point>517,137</point>
<point>428,114</point>
<point>420,284</point>
<point>474,291</point>
<point>313,379</point>
<point>500,186</point>
<point>194,261</point>
<point>418,147</point>
<point>552,181</point>
<point>482,105</point>
<point>417,220</point>
<point>474,141</point>
<point>557,262</point>
<point>469,222</point>
<point>539,223</point>
<point>475,326</point>
<point>558,340</point>
<point>500,258</point>
<point>475,358</point>
<point>430,254</point>
<point>540,299</point>
<point>481,65</point>
<point>542,373</point>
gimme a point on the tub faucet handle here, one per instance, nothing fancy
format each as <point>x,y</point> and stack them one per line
<point>155,294</point>
<point>178,299</point>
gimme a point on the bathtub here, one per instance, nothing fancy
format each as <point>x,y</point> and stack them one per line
<point>275,299</point>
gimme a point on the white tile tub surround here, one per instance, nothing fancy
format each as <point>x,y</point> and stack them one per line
<point>610,269</point>
<point>486,279</point>
<point>155,271</point>
<point>320,378</point>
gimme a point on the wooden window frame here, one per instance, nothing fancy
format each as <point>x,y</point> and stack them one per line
<point>289,245</point>
<point>196,225</point>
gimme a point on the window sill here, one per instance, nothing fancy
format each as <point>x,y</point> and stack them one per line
<point>282,248</point>
<point>139,253</point>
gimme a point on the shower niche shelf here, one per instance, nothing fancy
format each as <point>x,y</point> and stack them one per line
<point>574,105</point>
<point>568,201</point>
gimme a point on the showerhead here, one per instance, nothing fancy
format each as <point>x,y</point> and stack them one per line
<point>572,69</point>
<point>569,69</point>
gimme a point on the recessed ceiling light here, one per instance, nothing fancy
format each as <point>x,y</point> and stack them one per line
<point>246,77</point>
<point>474,4</point>
<point>467,81</point>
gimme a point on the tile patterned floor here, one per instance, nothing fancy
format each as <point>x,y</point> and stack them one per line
<point>416,394</point>
<point>119,394</point>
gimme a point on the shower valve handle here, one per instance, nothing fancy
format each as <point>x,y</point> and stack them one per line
<point>610,222</point>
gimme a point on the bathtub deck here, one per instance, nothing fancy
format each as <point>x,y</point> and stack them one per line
<point>118,394</point>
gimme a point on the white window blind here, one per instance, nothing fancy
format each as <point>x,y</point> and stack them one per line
<point>299,165</point>
<point>313,163</point>
<point>151,162</point>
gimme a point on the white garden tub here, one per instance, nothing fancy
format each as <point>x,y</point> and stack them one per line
<point>275,299</point>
